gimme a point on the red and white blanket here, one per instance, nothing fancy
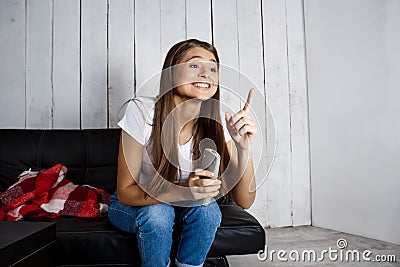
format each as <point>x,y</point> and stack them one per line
<point>48,194</point>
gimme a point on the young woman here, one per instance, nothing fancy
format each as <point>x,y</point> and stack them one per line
<point>161,143</point>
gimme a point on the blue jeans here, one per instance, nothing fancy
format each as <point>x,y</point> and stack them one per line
<point>154,226</point>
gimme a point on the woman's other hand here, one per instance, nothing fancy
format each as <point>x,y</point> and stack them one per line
<point>241,125</point>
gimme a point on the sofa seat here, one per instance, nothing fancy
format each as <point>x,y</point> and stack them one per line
<point>104,243</point>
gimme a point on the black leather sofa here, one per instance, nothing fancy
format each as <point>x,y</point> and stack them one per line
<point>91,158</point>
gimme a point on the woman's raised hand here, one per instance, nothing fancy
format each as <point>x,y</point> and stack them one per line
<point>241,126</point>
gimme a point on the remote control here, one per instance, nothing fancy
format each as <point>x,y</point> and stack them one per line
<point>210,160</point>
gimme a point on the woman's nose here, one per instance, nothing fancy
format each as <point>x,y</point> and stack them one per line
<point>204,72</point>
<point>204,75</point>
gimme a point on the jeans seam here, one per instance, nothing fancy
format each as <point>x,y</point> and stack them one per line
<point>143,256</point>
<point>179,244</point>
<point>184,222</point>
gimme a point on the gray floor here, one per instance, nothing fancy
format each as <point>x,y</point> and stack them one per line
<point>304,240</point>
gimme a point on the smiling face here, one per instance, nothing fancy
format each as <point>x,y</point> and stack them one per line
<point>196,76</point>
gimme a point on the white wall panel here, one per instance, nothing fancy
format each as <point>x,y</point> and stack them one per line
<point>298,101</point>
<point>66,64</point>
<point>121,70</point>
<point>198,20</point>
<point>12,69</point>
<point>148,58</point>
<point>279,188</point>
<point>251,64</point>
<point>225,36</point>
<point>94,64</point>
<point>173,24</point>
<point>39,84</point>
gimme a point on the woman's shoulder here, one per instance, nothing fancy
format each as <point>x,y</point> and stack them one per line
<point>141,108</point>
<point>143,105</point>
<point>144,101</point>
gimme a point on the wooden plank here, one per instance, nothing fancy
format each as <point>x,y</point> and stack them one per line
<point>12,69</point>
<point>225,32</point>
<point>120,56</point>
<point>226,41</point>
<point>39,64</point>
<point>279,197</point>
<point>173,24</point>
<point>66,64</point>
<point>198,20</point>
<point>148,59</point>
<point>298,114</point>
<point>252,76</point>
<point>94,64</point>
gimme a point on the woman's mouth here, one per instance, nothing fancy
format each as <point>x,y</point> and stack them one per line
<point>202,85</point>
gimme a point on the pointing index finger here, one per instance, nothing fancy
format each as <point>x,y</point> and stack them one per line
<point>249,98</point>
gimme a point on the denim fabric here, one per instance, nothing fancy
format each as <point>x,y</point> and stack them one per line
<point>154,226</point>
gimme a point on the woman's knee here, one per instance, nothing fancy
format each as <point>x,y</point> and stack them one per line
<point>123,217</point>
<point>156,218</point>
<point>214,214</point>
<point>207,216</point>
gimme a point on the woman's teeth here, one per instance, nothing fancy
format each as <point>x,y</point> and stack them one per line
<point>202,85</point>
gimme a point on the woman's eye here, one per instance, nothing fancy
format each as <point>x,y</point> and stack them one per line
<point>213,69</point>
<point>195,66</point>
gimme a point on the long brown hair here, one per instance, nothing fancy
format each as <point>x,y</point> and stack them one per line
<point>208,123</point>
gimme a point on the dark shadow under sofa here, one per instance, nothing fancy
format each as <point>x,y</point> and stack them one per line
<point>91,158</point>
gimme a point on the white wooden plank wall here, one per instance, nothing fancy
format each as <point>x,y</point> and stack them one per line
<point>94,100</point>
<point>38,88</point>
<point>198,20</point>
<point>66,64</point>
<point>251,64</point>
<point>120,56</point>
<point>173,23</point>
<point>225,36</point>
<point>148,61</point>
<point>72,63</point>
<point>279,189</point>
<point>12,69</point>
<point>298,102</point>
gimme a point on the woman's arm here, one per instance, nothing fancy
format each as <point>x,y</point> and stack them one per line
<point>244,192</point>
<point>242,129</point>
<point>128,191</point>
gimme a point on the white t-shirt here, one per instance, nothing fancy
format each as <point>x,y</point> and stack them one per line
<point>137,122</point>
